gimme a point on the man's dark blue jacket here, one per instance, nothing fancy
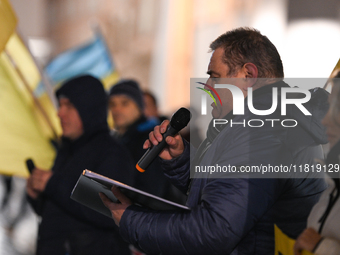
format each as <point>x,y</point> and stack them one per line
<point>237,215</point>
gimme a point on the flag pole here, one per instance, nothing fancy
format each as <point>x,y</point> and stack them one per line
<point>97,31</point>
<point>36,101</point>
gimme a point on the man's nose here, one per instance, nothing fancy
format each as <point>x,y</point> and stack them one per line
<point>61,112</point>
<point>115,109</point>
<point>210,83</point>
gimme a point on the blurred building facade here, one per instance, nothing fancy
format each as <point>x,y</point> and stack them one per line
<point>163,43</point>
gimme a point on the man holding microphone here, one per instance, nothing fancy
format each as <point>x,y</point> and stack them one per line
<point>230,215</point>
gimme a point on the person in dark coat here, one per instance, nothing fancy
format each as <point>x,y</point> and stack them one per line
<point>234,213</point>
<point>132,128</point>
<point>151,108</point>
<point>68,227</point>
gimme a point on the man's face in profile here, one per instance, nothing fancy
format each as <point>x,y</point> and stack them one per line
<point>217,70</point>
<point>70,120</point>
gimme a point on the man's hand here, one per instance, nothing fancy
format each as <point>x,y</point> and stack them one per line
<point>306,241</point>
<point>117,209</point>
<point>175,144</point>
<point>39,179</point>
<point>29,189</point>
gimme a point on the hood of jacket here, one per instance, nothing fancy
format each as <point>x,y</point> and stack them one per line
<point>88,96</point>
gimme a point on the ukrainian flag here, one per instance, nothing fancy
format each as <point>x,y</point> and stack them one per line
<point>91,58</point>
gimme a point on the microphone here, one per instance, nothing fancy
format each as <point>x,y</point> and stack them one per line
<point>178,121</point>
<point>30,165</point>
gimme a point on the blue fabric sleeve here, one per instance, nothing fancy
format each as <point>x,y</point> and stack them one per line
<point>217,225</point>
<point>178,169</point>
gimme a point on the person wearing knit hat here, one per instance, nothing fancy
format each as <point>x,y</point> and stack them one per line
<point>68,227</point>
<point>126,104</point>
<point>129,88</point>
<point>132,128</point>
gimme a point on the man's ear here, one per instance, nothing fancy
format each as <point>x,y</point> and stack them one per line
<point>251,73</point>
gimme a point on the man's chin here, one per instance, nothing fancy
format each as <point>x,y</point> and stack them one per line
<point>215,113</point>
<point>67,135</point>
<point>119,126</point>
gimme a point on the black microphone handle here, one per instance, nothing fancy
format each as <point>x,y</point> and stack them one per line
<point>153,152</point>
<point>30,165</point>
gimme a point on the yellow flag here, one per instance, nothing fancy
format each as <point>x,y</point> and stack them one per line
<point>284,245</point>
<point>23,60</point>
<point>8,22</point>
<point>21,135</point>
<point>25,64</point>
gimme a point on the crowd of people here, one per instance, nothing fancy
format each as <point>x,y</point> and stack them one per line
<point>228,214</point>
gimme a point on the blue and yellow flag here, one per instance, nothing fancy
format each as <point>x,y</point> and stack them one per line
<point>91,58</point>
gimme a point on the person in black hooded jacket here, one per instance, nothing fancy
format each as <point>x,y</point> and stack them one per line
<point>68,227</point>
